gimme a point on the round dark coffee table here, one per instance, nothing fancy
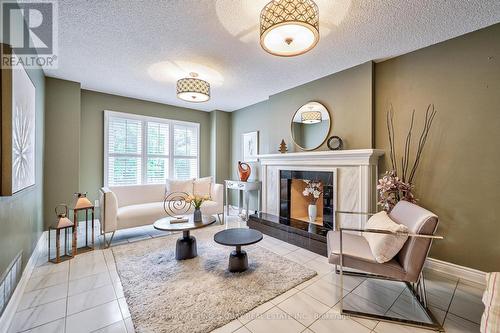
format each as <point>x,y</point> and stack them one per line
<point>185,248</point>
<point>238,260</point>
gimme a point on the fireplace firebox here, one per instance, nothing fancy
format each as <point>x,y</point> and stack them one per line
<point>294,205</point>
<point>293,224</point>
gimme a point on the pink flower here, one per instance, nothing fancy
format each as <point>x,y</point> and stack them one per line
<point>391,190</point>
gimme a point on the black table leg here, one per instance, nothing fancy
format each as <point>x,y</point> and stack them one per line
<point>185,247</point>
<point>238,260</point>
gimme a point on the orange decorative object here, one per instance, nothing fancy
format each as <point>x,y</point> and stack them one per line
<point>244,170</point>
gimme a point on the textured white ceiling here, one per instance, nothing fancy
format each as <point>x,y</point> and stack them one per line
<point>139,48</point>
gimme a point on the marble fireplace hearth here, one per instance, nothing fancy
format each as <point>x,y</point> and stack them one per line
<point>349,181</point>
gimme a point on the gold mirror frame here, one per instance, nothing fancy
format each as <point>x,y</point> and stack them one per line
<point>326,135</point>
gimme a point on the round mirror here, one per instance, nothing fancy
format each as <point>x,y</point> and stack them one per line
<point>310,125</point>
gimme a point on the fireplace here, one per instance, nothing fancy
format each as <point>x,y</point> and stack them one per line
<point>348,178</point>
<point>293,224</point>
<point>294,205</point>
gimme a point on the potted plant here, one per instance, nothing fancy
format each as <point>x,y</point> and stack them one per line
<point>312,191</point>
<point>197,201</point>
<point>397,183</point>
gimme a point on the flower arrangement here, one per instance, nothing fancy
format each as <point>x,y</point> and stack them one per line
<point>197,200</point>
<point>312,190</point>
<point>391,187</point>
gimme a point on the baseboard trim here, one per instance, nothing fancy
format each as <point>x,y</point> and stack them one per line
<point>461,272</point>
<point>10,310</point>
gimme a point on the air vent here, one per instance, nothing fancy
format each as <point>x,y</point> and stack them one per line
<point>9,281</point>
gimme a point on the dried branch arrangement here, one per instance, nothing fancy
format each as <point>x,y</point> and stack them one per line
<point>397,184</point>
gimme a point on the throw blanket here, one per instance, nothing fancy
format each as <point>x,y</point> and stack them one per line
<point>490,321</point>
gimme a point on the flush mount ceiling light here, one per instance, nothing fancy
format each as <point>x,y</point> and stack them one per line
<point>191,89</point>
<point>289,27</point>
<point>310,117</point>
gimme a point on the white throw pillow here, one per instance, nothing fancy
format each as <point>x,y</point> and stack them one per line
<point>202,186</point>
<point>384,247</point>
<point>173,186</point>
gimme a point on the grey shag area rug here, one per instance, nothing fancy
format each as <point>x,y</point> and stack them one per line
<point>199,294</point>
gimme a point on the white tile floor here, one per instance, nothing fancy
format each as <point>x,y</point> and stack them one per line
<point>85,295</point>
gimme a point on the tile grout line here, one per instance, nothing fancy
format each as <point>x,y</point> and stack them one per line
<point>451,301</point>
<point>44,303</point>
<point>109,326</point>
<point>64,318</point>
<point>460,280</point>
<point>42,277</point>
<point>331,308</point>
<point>307,327</point>
<point>95,306</point>
<point>390,307</point>
<point>458,316</point>
<point>37,326</point>
<point>274,306</point>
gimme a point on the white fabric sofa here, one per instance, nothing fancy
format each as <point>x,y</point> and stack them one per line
<point>125,207</point>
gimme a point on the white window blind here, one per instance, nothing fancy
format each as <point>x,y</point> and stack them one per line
<point>185,151</point>
<point>157,164</point>
<point>124,147</point>
<point>145,150</point>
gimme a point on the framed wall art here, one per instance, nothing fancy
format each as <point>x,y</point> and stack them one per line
<point>17,124</point>
<point>250,146</point>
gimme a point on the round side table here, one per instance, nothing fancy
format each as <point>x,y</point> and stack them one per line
<point>238,237</point>
<point>185,247</point>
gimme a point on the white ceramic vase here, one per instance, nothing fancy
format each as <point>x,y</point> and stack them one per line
<point>313,212</point>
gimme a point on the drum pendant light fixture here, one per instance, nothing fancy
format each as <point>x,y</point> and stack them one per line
<point>311,117</point>
<point>192,89</point>
<point>289,27</point>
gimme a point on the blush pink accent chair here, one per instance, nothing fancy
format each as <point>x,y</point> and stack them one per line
<point>347,248</point>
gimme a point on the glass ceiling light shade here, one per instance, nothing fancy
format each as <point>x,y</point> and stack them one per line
<point>310,117</point>
<point>289,27</point>
<point>194,90</point>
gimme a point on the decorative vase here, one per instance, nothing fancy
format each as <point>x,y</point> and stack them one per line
<point>197,214</point>
<point>244,170</point>
<point>313,212</point>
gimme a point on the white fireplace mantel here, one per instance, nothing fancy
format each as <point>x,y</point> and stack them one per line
<point>327,157</point>
<point>355,175</point>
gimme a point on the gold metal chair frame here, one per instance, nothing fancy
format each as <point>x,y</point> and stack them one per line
<point>417,289</point>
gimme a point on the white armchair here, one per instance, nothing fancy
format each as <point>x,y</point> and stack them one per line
<point>125,207</point>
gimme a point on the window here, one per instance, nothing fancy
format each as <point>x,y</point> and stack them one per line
<point>146,150</point>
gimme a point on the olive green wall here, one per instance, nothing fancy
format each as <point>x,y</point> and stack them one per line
<point>220,140</point>
<point>93,105</point>
<point>21,217</point>
<point>347,95</point>
<point>62,144</point>
<point>458,178</point>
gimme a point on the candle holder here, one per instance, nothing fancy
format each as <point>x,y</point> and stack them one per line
<point>82,203</point>
<point>63,223</point>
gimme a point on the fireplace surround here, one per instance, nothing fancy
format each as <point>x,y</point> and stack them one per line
<point>351,185</point>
